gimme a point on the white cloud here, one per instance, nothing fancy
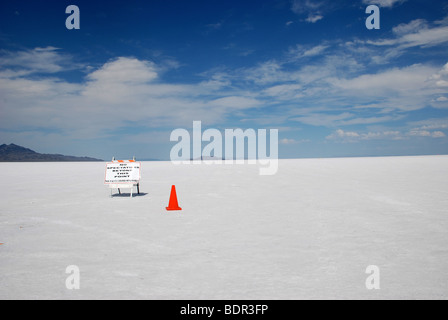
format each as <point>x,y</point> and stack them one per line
<point>326,120</point>
<point>336,81</point>
<point>331,90</point>
<point>429,128</point>
<point>384,3</point>
<point>313,18</point>
<point>317,50</point>
<point>430,124</point>
<point>123,92</point>
<point>343,135</point>
<point>287,141</point>
<point>444,70</point>
<point>408,88</point>
<point>352,136</point>
<point>443,22</point>
<point>442,83</point>
<point>285,91</point>
<point>412,27</point>
<point>301,6</point>
<point>234,103</point>
<point>303,52</point>
<point>265,73</point>
<point>38,60</point>
<point>420,133</point>
<point>313,9</point>
<point>395,79</point>
<point>426,133</point>
<point>425,37</point>
<point>344,119</point>
<point>216,81</point>
<point>394,135</point>
<point>335,84</point>
<point>438,134</point>
<point>125,70</point>
<point>416,33</point>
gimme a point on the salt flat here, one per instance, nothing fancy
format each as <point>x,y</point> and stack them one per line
<point>308,232</point>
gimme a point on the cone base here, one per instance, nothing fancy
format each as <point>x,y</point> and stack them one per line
<point>173,209</point>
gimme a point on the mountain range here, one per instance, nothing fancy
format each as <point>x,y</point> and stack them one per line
<point>15,153</point>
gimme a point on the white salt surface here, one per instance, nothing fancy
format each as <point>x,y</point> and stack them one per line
<point>308,232</point>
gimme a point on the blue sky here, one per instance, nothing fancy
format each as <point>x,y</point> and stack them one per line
<point>136,70</point>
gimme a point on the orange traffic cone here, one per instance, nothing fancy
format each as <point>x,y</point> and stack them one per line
<point>173,205</point>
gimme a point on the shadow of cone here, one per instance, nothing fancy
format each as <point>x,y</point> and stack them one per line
<point>173,205</point>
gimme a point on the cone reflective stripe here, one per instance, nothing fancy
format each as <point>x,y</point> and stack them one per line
<point>173,205</point>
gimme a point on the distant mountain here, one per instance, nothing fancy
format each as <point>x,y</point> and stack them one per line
<point>15,153</point>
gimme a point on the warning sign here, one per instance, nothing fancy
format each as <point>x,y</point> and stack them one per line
<point>122,172</point>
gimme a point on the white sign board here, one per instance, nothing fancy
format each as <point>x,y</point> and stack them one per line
<point>122,172</point>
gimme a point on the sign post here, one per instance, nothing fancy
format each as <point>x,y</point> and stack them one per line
<point>123,174</point>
